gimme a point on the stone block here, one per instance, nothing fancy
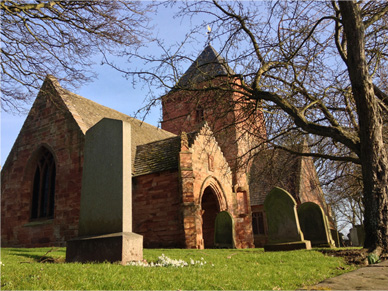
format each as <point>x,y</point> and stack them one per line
<point>105,225</point>
<point>289,246</point>
<point>106,198</point>
<point>117,247</point>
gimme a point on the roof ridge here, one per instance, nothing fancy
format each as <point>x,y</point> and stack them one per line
<point>160,140</point>
<point>67,95</point>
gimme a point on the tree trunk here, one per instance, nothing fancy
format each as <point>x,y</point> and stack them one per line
<point>373,155</point>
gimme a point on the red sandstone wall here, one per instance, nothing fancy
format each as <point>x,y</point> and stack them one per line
<point>235,123</point>
<point>198,172</point>
<point>157,209</point>
<point>54,128</point>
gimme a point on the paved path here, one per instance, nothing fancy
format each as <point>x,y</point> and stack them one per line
<point>372,277</point>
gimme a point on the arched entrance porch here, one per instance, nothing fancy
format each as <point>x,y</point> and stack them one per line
<point>210,209</point>
<point>213,207</point>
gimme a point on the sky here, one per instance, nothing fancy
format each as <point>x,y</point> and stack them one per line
<point>111,89</point>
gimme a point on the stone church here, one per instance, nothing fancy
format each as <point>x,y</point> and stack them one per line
<point>208,160</point>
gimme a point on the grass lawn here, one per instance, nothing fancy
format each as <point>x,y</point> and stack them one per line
<point>228,269</point>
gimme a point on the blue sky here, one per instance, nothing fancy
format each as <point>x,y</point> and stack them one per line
<point>111,88</point>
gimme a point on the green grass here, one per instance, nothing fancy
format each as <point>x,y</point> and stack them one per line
<point>225,269</point>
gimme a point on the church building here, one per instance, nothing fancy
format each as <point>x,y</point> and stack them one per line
<point>202,171</point>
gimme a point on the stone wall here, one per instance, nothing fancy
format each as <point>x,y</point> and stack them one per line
<point>238,128</point>
<point>203,169</point>
<point>157,209</point>
<point>48,125</point>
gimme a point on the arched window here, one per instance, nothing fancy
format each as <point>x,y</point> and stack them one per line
<point>44,186</point>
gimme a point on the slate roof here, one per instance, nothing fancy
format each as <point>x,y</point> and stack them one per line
<point>159,155</point>
<point>272,168</point>
<point>87,113</point>
<point>207,66</point>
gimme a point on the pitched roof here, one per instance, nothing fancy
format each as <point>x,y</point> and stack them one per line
<point>87,113</point>
<point>207,66</point>
<point>159,155</point>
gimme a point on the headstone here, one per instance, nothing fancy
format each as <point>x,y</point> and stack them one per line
<point>105,224</point>
<point>223,233</point>
<point>353,237</point>
<point>357,236</point>
<point>284,232</point>
<point>314,225</point>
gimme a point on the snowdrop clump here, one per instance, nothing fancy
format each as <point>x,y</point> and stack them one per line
<point>164,261</point>
<point>1,264</point>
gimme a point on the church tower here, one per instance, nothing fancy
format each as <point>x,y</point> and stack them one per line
<point>211,91</point>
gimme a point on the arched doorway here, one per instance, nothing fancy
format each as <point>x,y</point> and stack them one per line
<point>210,209</point>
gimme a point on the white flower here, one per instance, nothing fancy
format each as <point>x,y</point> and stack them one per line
<point>164,261</point>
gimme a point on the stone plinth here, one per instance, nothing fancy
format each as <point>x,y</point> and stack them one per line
<point>116,247</point>
<point>289,246</point>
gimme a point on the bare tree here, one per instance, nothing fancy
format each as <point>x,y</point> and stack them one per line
<point>59,38</point>
<point>317,69</point>
<point>342,184</point>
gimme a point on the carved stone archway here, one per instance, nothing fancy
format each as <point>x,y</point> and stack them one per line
<point>212,201</point>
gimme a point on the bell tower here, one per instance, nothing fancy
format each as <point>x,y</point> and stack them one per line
<point>209,91</point>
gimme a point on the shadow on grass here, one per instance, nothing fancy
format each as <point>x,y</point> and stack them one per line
<point>39,258</point>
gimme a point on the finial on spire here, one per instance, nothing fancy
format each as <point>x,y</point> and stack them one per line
<point>209,30</point>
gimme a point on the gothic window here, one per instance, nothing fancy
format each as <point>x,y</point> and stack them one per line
<point>44,186</point>
<point>258,223</point>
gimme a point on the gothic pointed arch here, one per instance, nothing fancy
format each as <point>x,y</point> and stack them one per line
<point>216,187</point>
<point>43,167</point>
<point>212,202</point>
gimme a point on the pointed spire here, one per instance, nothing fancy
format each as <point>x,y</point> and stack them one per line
<point>207,66</point>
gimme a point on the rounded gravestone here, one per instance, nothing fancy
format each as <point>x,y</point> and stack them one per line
<point>313,224</point>
<point>282,219</point>
<point>223,234</point>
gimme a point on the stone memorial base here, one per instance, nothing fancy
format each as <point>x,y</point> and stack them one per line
<point>323,245</point>
<point>116,247</point>
<point>288,246</point>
